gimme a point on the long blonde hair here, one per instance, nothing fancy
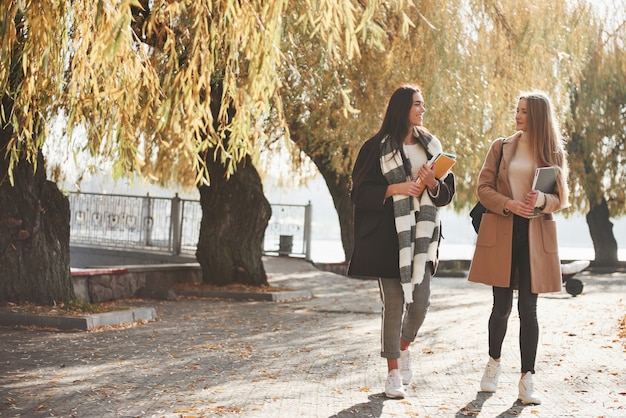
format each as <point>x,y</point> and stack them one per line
<point>545,138</point>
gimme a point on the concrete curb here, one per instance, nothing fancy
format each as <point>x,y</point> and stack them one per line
<point>80,323</point>
<point>286,296</point>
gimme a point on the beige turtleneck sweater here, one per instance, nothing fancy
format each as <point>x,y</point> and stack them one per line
<point>522,171</point>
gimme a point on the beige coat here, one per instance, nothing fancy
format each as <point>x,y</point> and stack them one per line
<point>491,263</point>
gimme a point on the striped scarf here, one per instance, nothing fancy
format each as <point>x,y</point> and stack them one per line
<point>417,219</point>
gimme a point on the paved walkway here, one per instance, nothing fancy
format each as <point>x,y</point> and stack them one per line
<point>319,357</point>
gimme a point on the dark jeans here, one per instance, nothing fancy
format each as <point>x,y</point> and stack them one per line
<point>526,304</point>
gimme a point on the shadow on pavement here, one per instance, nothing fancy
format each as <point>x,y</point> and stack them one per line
<point>373,408</point>
<point>514,411</point>
<point>473,408</point>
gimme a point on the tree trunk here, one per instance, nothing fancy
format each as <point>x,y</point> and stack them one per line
<point>601,230</point>
<point>34,233</point>
<point>235,214</point>
<point>339,188</point>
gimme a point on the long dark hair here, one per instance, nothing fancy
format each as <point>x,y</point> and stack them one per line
<point>395,125</point>
<point>396,121</point>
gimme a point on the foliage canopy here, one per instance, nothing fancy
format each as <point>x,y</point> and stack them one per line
<point>137,75</point>
<point>471,58</point>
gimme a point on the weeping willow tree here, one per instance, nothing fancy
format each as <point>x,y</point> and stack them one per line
<point>471,58</point>
<point>34,215</point>
<point>597,129</point>
<point>178,92</point>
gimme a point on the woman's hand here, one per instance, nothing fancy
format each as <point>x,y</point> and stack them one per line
<point>427,176</point>
<point>408,188</point>
<point>531,198</point>
<point>520,208</point>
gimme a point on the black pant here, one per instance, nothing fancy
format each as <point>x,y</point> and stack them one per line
<point>526,305</point>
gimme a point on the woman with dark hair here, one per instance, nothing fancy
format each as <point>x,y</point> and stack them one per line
<point>524,244</point>
<point>396,225</point>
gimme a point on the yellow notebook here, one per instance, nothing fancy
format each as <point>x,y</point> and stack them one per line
<point>441,163</point>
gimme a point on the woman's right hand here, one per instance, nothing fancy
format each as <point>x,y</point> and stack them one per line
<point>408,188</point>
<point>520,208</point>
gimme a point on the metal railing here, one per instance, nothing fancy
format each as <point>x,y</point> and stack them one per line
<point>172,224</point>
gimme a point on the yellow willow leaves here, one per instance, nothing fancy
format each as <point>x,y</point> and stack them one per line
<point>158,86</point>
<point>32,56</point>
<point>138,77</point>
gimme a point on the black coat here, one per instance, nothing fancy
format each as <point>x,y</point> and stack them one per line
<point>376,252</point>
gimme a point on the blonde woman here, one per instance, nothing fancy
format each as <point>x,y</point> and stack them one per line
<point>524,245</point>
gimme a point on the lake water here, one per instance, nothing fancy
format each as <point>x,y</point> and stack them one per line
<point>459,237</point>
<point>331,251</point>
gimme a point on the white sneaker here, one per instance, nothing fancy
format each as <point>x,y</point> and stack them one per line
<point>527,392</point>
<point>393,385</point>
<point>489,382</point>
<point>404,364</point>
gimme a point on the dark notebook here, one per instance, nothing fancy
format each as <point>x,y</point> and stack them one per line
<point>544,181</point>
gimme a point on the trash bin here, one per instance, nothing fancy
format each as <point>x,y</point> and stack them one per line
<point>285,244</point>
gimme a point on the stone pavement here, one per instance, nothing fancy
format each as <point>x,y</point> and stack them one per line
<point>319,357</point>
